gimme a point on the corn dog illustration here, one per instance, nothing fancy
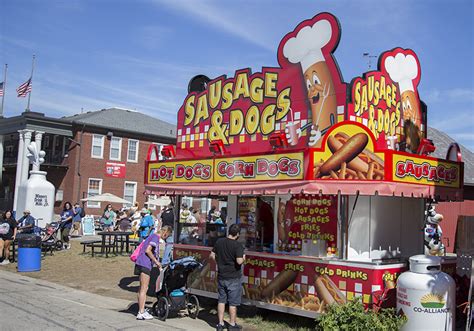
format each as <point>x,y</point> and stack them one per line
<point>327,291</point>
<point>280,283</point>
<point>306,49</point>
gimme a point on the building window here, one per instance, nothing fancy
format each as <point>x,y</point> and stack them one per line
<point>115,148</point>
<point>149,198</point>
<point>130,193</point>
<point>94,188</point>
<point>97,151</point>
<point>132,152</point>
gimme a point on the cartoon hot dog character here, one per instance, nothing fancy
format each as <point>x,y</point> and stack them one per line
<point>327,291</point>
<point>403,69</point>
<point>283,224</point>
<point>306,49</point>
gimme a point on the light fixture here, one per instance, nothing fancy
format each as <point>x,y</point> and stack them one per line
<point>278,140</point>
<point>217,147</point>
<point>168,152</point>
<point>110,134</point>
<point>426,147</point>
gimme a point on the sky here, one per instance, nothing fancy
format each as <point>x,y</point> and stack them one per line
<point>141,54</point>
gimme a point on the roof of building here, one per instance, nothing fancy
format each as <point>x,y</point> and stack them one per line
<point>124,120</point>
<point>442,141</point>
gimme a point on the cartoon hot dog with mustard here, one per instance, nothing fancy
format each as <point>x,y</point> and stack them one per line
<point>306,49</point>
<point>403,69</point>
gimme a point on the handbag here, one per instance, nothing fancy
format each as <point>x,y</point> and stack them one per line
<point>136,252</point>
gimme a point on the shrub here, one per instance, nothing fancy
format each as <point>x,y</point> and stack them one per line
<point>353,316</point>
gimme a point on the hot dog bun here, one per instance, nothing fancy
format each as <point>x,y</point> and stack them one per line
<point>280,283</point>
<point>346,153</point>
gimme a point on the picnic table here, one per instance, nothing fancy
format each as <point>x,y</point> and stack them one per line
<point>115,241</point>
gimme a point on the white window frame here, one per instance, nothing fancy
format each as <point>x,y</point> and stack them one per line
<point>119,149</point>
<point>134,192</point>
<point>136,154</point>
<point>102,138</point>
<point>91,204</point>
<point>151,197</point>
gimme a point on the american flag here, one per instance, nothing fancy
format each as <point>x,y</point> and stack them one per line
<point>24,88</point>
<point>1,89</point>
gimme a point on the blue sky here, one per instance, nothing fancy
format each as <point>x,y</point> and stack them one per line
<point>141,54</point>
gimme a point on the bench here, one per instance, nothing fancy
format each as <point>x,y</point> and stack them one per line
<point>85,243</point>
<point>107,248</point>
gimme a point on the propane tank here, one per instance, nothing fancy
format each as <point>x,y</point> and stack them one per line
<point>426,296</point>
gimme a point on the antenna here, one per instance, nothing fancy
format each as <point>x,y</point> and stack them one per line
<point>369,59</point>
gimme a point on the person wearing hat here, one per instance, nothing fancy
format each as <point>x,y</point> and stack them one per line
<point>26,224</point>
<point>146,225</point>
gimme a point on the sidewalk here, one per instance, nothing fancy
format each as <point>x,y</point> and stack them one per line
<point>33,304</point>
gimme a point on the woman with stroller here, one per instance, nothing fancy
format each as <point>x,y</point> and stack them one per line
<point>7,235</point>
<point>147,258</point>
<point>108,218</point>
<point>66,224</point>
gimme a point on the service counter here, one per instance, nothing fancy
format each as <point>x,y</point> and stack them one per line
<point>297,284</point>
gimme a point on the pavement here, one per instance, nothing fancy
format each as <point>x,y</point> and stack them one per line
<point>32,304</point>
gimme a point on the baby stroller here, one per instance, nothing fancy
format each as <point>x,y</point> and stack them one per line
<point>49,237</point>
<point>172,289</point>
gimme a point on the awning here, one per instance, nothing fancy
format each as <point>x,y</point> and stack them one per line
<point>308,187</point>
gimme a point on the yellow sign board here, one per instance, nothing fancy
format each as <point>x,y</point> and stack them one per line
<point>412,169</point>
<point>196,171</point>
<point>260,167</point>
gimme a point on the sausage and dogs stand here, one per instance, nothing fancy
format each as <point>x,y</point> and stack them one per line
<point>328,180</point>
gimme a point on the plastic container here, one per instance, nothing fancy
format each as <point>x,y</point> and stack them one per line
<point>29,253</point>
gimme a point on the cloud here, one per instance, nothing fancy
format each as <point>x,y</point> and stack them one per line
<point>456,94</point>
<point>235,24</point>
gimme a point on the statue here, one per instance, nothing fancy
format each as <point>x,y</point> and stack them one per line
<point>433,233</point>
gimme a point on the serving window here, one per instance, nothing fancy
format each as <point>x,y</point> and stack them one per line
<point>202,220</point>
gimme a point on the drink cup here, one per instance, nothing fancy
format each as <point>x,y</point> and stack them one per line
<point>292,130</point>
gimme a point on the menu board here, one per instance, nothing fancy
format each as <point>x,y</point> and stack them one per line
<point>307,224</point>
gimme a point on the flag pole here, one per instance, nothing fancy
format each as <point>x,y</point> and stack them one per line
<point>31,82</point>
<point>4,86</point>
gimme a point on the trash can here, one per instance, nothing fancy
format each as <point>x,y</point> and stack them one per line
<point>29,253</point>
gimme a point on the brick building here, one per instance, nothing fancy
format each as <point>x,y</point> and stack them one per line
<point>86,154</point>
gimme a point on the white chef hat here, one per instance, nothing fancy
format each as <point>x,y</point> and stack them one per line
<point>402,69</point>
<point>306,47</point>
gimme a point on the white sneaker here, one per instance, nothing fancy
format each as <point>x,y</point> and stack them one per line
<point>68,246</point>
<point>144,316</point>
<point>5,262</point>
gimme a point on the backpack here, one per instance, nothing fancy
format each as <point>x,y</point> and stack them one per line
<point>82,213</point>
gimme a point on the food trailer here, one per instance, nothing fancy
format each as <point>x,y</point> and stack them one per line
<point>328,180</point>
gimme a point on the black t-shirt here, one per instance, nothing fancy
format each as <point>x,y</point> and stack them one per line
<point>167,217</point>
<point>9,223</point>
<point>227,251</point>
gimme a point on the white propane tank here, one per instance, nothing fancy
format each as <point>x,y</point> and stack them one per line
<point>426,296</point>
<point>37,195</point>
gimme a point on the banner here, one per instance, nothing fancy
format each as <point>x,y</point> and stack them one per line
<point>307,225</point>
<point>116,170</point>
<point>180,172</point>
<point>262,167</point>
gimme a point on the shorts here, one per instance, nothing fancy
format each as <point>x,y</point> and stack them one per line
<point>6,237</point>
<point>139,269</point>
<point>229,291</point>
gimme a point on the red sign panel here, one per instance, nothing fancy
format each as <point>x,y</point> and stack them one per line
<point>117,170</point>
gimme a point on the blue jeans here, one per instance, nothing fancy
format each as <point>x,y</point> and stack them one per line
<point>168,250</point>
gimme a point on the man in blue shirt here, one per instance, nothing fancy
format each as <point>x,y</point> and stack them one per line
<point>26,224</point>
<point>146,225</point>
<point>78,211</point>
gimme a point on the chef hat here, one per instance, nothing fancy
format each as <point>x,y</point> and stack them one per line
<point>306,47</point>
<point>402,69</point>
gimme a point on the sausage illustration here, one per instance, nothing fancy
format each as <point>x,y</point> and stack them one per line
<point>279,283</point>
<point>346,153</point>
<point>327,291</point>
